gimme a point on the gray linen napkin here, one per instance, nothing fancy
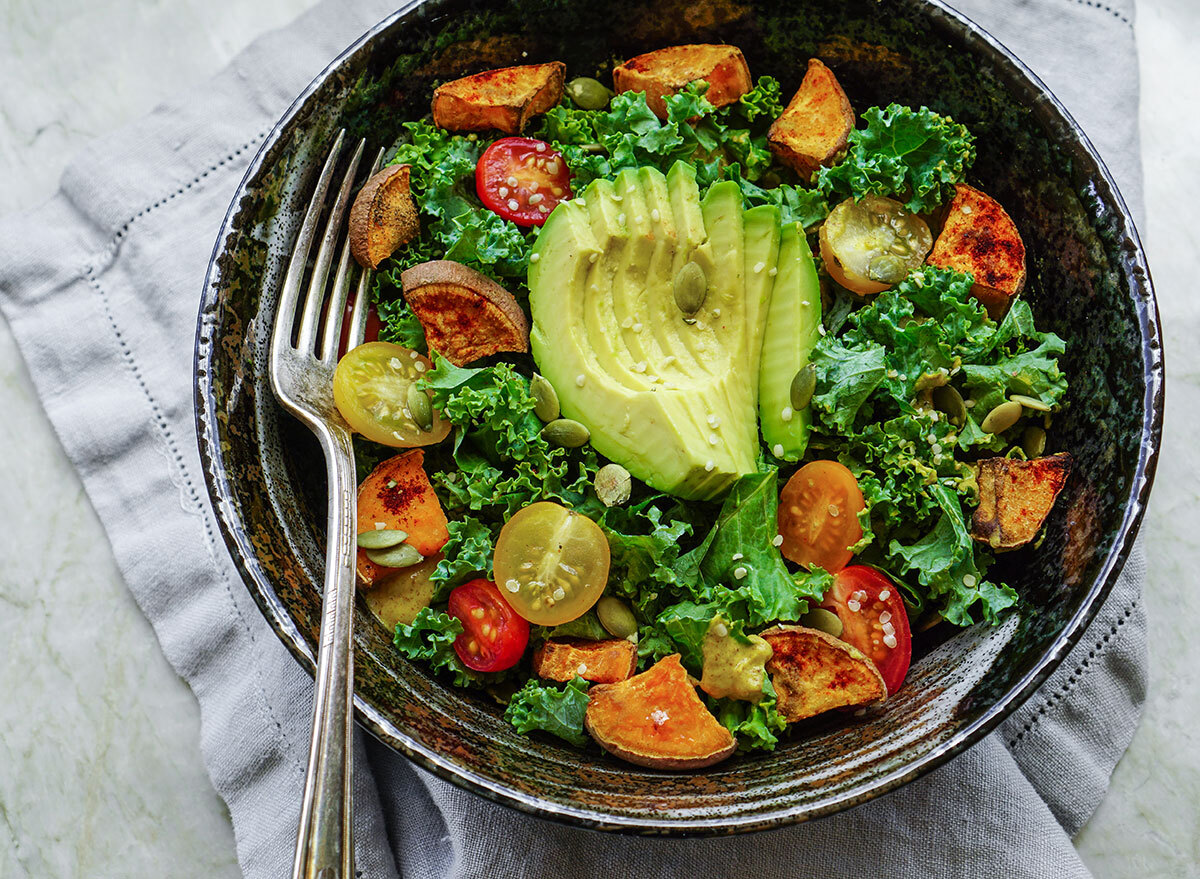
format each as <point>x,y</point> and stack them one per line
<point>100,286</point>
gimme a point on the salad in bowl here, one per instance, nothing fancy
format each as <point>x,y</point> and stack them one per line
<point>685,403</point>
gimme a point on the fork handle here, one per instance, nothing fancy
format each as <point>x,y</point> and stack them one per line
<point>324,841</point>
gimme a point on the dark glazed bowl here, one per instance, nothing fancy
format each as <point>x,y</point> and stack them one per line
<point>1088,283</point>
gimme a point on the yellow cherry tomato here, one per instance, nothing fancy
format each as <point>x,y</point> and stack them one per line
<point>871,245</point>
<point>551,563</point>
<point>372,388</point>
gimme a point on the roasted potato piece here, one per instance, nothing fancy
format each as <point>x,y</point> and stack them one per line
<point>383,216</point>
<point>979,237</point>
<point>398,495</point>
<point>503,99</point>
<point>814,672</point>
<point>666,71</point>
<point>601,662</point>
<point>1015,497</point>
<point>656,719</point>
<point>812,131</point>
<point>466,315</point>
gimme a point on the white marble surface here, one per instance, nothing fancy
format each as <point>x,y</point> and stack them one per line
<point>100,771</point>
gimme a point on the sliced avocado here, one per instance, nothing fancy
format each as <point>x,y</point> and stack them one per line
<point>601,322</point>
<point>761,232</point>
<point>669,396</point>
<point>791,335</point>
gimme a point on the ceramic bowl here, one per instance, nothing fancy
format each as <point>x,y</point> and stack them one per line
<point>1089,284</point>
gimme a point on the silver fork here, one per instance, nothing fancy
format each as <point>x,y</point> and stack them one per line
<point>302,362</point>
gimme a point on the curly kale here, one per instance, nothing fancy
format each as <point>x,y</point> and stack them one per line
<point>875,383</point>
<point>430,637</point>
<point>558,712</point>
<point>915,156</point>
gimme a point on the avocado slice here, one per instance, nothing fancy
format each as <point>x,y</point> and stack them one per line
<point>791,334</point>
<point>674,400</point>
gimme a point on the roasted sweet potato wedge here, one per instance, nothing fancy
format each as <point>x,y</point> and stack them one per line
<point>398,495</point>
<point>503,99</point>
<point>813,130</point>
<point>979,237</point>
<point>814,672</point>
<point>656,719</point>
<point>666,71</point>
<point>601,662</point>
<point>466,315</point>
<point>383,216</point>
<point>1015,497</point>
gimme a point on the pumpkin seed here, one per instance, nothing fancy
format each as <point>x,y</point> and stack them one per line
<point>420,407</point>
<point>613,485</point>
<point>403,555</point>
<point>887,268</point>
<point>1030,402</point>
<point>1033,441</point>
<point>825,620</point>
<point>947,399</point>
<point>381,538</point>
<point>616,616</point>
<point>566,433</point>
<point>588,93</point>
<point>804,383</point>
<point>545,398</point>
<point>691,288</point>
<point>1002,417</point>
<point>930,380</point>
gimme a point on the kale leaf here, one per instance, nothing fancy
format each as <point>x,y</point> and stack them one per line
<point>915,156</point>
<point>873,404</point>
<point>737,572</point>
<point>754,724</point>
<point>558,712</point>
<point>430,637</point>
<point>467,552</point>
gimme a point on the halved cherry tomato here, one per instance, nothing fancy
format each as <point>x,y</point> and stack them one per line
<point>551,562</point>
<point>494,635</point>
<point>818,515</point>
<point>370,390</point>
<point>522,179</point>
<point>872,244</point>
<point>873,620</point>
<point>371,327</point>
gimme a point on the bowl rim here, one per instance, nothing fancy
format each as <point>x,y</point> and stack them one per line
<point>1141,291</point>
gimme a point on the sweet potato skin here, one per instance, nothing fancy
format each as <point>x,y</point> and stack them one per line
<point>408,504</point>
<point>978,236</point>
<point>466,315</point>
<point>383,216</point>
<point>504,99</point>
<point>601,662</point>
<point>813,130</point>
<point>814,672</point>
<point>666,71</point>
<point>1015,497</point>
<point>655,719</point>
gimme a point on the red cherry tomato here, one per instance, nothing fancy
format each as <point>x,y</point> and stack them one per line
<point>494,635</point>
<point>873,620</point>
<point>371,326</point>
<point>522,179</point>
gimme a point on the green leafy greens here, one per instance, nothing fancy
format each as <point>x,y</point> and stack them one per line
<point>873,404</point>
<point>912,155</point>
<point>553,710</point>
